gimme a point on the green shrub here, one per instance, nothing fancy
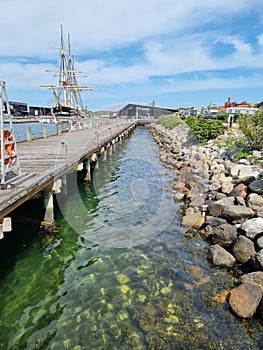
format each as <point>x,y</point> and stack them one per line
<point>248,154</point>
<point>252,127</point>
<point>205,129</point>
<point>233,142</point>
<point>222,116</point>
<point>169,121</point>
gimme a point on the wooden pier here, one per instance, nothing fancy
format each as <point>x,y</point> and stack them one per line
<point>45,160</point>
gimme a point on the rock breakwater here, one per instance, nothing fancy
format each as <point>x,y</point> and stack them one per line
<point>222,199</point>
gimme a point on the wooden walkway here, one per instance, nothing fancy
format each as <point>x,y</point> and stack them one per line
<point>46,159</point>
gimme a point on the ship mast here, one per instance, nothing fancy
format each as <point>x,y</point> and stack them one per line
<point>67,92</point>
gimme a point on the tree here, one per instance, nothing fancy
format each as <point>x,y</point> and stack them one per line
<point>252,127</point>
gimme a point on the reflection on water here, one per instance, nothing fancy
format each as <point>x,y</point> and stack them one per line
<point>104,284</point>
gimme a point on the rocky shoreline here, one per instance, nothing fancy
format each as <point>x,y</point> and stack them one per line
<point>222,199</point>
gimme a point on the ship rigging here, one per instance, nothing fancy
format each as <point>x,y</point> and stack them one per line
<point>67,92</point>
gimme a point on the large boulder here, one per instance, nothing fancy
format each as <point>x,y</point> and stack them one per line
<point>237,212</point>
<point>256,186</point>
<point>216,208</point>
<point>254,201</point>
<point>255,278</point>
<point>220,257</point>
<point>245,299</point>
<point>239,191</point>
<point>243,249</point>
<point>246,171</point>
<point>252,227</point>
<point>241,171</point>
<point>224,235</point>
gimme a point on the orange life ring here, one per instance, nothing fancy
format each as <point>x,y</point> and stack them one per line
<point>9,148</point>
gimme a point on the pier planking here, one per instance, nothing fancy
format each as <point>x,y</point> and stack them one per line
<point>44,160</point>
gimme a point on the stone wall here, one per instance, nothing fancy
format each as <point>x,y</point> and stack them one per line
<point>223,201</point>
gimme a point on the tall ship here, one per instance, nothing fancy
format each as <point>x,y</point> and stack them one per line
<point>67,92</point>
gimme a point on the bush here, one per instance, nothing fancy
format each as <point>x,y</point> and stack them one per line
<point>222,116</point>
<point>169,121</point>
<point>252,127</point>
<point>205,129</point>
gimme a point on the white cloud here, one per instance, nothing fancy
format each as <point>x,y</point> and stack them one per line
<point>173,37</point>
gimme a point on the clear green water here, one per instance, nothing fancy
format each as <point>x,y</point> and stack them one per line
<point>120,274</point>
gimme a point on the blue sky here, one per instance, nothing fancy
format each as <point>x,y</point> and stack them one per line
<point>178,53</point>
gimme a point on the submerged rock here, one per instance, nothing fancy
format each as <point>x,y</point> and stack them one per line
<point>193,218</point>
<point>245,299</point>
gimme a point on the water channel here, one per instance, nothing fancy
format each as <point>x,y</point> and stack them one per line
<point>120,274</point>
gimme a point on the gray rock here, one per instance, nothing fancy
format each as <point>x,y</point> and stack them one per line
<point>252,227</point>
<point>260,242</point>
<point>241,171</point>
<point>227,187</point>
<point>247,171</point>
<point>243,161</point>
<point>245,180</point>
<point>235,170</point>
<point>215,222</point>
<point>216,208</point>
<point>255,278</point>
<point>220,195</point>
<point>259,212</point>
<point>206,231</point>
<point>197,201</point>
<point>224,235</point>
<point>237,212</point>
<point>259,259</point>
<point>240,201</point>
<point>256,186</point>
<point>243,249</point>
<point>245,299</point>
<point>254,201</point>
<point>218,256</point>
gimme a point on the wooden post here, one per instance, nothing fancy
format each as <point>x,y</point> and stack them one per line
<point>44,131</point>
<point>80,167</point>
<point>5,226</point>
<point>231,119</point>
<point>59,129</point>
<point>88,174</point>
<point>28,134</point>
<point>49,205</point>
<point>64,184</point>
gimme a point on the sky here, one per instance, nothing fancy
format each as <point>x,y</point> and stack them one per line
<point>176,53</point>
